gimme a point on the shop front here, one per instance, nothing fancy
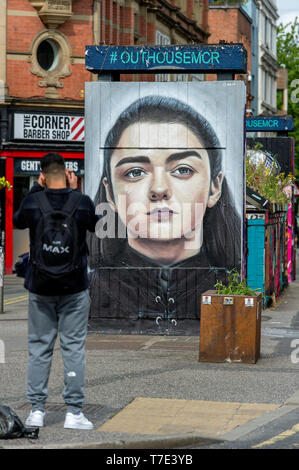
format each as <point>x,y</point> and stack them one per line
<point>32,135</point>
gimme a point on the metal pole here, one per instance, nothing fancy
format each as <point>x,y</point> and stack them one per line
<point>1,279</point>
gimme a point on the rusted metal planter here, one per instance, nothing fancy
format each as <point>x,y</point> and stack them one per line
<point>230,328</point>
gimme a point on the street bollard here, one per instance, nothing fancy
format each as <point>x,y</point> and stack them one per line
<point>1,279</point>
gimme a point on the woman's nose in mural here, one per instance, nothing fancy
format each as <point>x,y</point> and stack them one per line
<point>160,188</point>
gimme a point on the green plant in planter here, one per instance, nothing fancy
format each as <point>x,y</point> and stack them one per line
<point>235,286</point>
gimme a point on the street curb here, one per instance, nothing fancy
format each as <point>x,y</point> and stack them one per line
<point>172,441</point>
<point>293,399</point>
<point>254,424</point>
<point>159,442</point>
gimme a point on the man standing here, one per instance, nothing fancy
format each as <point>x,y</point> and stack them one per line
<point>57,304</point>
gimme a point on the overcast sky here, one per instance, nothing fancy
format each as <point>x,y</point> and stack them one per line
<point>287,10</point>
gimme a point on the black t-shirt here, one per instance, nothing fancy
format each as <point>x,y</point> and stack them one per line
<point>28,216</point>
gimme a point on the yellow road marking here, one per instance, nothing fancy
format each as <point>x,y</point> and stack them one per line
<point>279,437</point>
<point>16,299</point>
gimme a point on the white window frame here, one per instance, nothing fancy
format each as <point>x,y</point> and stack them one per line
<point>162,40</point>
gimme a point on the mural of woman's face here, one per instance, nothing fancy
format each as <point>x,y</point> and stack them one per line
<point>161,193</point>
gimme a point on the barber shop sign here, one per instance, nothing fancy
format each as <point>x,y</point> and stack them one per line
<point>57,127</point>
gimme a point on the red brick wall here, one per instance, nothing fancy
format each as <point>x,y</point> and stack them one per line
<point>223,25</point>
<point>82,7</point>
<point>205,14</point>
<point>116,23</point>
<point>190,7</point>
<point>73,86</point>
<point>229,24</point>
<point>20,32</point>
<point>22,29</point>
<point>19,5</point>
<point>21,82</point>
<point>117,27</point>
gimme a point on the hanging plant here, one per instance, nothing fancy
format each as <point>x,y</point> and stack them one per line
<point>263,176</point>
<point>5,184</point>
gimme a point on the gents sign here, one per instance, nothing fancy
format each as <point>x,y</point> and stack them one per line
<point>27,166</point>
<point>48,127</point>
<point>268,124</point>
<point>130,59</point>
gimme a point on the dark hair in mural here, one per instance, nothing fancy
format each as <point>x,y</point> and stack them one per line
<point>221,223</point>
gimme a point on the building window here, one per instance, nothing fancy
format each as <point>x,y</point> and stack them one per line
<point>47,55</point>
<point>162,40</point>
<point>266,33</point>
<point>180,77</point>
<point>262,32</point>
<point>50,56</point>
<point>273,45</point>
<point>274,94</point>
<point>137,34</point>
<point>21,188</point>
<point>265,86</point>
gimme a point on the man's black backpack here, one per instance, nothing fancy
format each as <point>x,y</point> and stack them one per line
<point>56,251</point>
<point>11,426</point>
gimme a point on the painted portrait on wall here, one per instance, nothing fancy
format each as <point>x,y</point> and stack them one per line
<point>164,163</point>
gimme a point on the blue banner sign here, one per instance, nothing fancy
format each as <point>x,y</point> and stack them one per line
<point>174,59</point>
<point>269,124</point>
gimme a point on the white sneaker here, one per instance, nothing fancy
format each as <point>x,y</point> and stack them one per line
<point>77,421</point>
<point>36,418</point>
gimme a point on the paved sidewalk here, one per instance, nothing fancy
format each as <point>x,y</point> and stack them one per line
<point>151,391</point>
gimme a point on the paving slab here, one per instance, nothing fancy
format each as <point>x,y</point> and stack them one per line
<point>170,416</point>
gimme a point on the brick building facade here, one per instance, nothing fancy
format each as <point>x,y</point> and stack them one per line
<point>42,76</point>
<point>252,22</point>
<point>229,22</point>
<point>268,65</point>
<point>29,30</point>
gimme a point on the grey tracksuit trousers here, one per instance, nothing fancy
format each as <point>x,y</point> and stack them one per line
<point>48,316</point>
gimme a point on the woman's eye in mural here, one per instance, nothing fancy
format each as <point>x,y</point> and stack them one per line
<point>183,172</point>
<point>135,173</point>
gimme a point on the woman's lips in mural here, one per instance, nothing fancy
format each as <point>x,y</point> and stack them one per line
<point>161,213</point>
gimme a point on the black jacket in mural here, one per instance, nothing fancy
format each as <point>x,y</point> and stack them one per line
<point>138,291</point>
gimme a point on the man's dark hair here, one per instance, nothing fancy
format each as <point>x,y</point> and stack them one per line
<point>52,164</point>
